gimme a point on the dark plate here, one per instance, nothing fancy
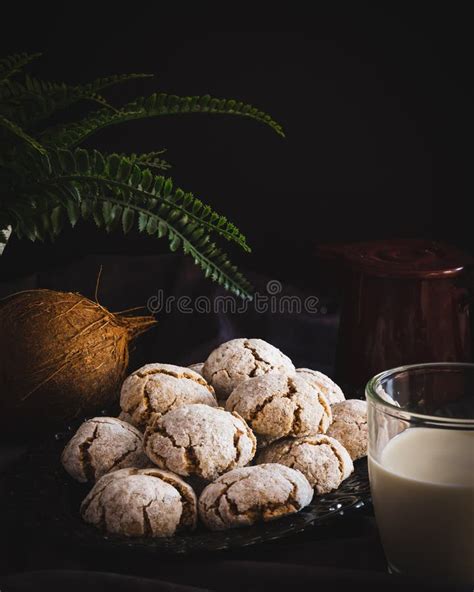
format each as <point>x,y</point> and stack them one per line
<point>50,500</point>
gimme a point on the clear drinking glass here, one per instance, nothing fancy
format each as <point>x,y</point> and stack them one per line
<point>421,467</point>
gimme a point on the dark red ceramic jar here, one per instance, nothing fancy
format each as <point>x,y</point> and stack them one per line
<point>404,302</point>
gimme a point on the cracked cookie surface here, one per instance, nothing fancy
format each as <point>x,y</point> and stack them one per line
<point>199,440</point>
<point>101,445</point>
<point>141,502</point>
<point>279,405</point>
<point>253,494</point>
<point>319,380</point>
<point>154,389</point>
<point>321,459</point>
<point>127,418</point>
<point>240,359</point>
<point>349,426</point>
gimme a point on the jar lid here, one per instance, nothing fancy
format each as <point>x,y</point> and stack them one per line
<point>401,258</point>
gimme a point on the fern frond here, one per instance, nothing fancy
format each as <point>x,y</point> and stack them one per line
<point>131,183</point>
<point>14,63</point>
<point>99,84</point>
<point>73,134</point>
<point>215,264</point>
<point>116,191</point>
<point>54,96</point>
<point>35,100</point>
<point>16,130</point>
<point>70,135</point>
<point>10,90</point>
<point>64,95</point>
<point>151,160</point>
<point>165,104</point>
<point>47,181</point>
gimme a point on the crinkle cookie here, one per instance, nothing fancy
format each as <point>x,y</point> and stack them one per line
<point>127,418</point>
<point>199,440</point>
<point>197,368</point>
<point>278,405</point>
<point>319,380</point>
<point>101,445</point>
<point>321,459</point>
<point>240,359</point>
<point>155,389</point>
<point>253,494</point>
<point>141,502</point>
<point>349,426</point>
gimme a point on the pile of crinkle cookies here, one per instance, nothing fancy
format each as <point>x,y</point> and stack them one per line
<point>255,436</point>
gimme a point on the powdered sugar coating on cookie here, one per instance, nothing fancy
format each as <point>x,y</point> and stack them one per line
<point>330,389</point>
<point>101,445</point>
<point>321,459</point>
<point>141,502</point>
<point>279,406</point>
<point>349,426</point>
<point>240,359</point>
<point>127,418</point>
<point>155,389</point>
<point>253,494</point>
<point>199,440</point>
<point>197,368</point>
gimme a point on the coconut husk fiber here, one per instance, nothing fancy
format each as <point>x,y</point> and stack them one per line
<point>62,356</point>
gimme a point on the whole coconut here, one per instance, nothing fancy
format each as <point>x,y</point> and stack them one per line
<point>61,356</point>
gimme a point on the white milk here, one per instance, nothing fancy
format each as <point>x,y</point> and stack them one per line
<point>423,493</point>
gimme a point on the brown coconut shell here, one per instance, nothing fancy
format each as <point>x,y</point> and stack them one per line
<point>62,356</point>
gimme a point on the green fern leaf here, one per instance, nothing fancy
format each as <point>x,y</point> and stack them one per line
<point>71,135</point>
<point>57,220</point>
<point>73,210</point>
<point>128,220</point>
<point>151,160</point>
<point>36,100</point>
<point>116,217</point>
<point>45,180</point>
<point>14,63</point>
<point>97,214</point>
<point>107,212</point>
<point>164,104</point>
<point>175,241</point>
<point>152,225</point>
<point>142,221</point>
<point>101,84</point>
<point>160,213</point>
<point>16,130</point>
<point>150,190</point>
<point>162,229</point>
<point>86,208</point>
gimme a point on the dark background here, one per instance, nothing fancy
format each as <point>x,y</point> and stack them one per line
<point>377,109</point>
<point>376,106</point>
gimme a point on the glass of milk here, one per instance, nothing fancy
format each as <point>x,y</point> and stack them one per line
<point>421,467</point>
